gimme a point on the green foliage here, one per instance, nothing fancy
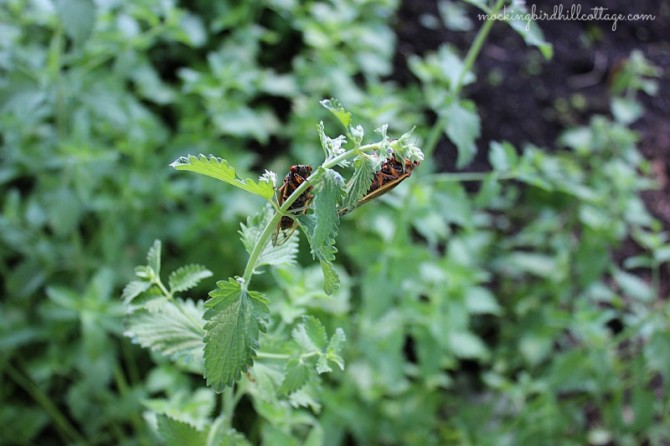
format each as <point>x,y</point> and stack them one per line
<point>506,313</point>
<point>234,319</point>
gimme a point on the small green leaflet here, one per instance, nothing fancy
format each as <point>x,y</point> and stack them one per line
<point>296,375</point>
<point>177,433</point>
<point>154,258</point>
<point>332,147</point>
<point>134,289</point>
<point>310,334</point>
<point>333,353</point>
<point>462,129</point>
<point>326,199</point>
<point>271,255</point>
<point>325,253</point>
<point>218,168</point>
<point>187,277</point>
<point>192,406</point>
<point>234,319</point>
<point>364,170</point>
<point>337,109</point>
<point>171,328</point>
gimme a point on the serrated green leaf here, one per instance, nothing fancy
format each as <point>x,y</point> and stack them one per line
<point>337,109</point>
<point>284,253</point>
<point>134,289</point>
<point>178,433</point>
<point>187,277</point>
<point>154,258</point>
<point>322,365</point>
<point>332,147</point>
<point>296,375</point>
<point>171,328</point>
<point>406,149</point>
<point>234,320</point>
<point>182,403</point>
<point>325,253</point>
<point>219,168</point>
<point>326,199</point>
<point>335,348</point>
<point>78,18</point>
<point>356,133</point>
<point>331,281</point>
<point>462,129</point>
<point>310,334</point>
<point>337,341</point>
<point>359,184</point>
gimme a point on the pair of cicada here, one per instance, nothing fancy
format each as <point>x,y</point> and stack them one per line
<point>391,173</point>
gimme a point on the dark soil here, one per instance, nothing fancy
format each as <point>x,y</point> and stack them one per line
<point>535,100</point>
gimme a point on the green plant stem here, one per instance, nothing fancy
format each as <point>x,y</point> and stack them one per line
<point>265,355</point>
<point>469,176</point>
<point>67,431</point>
<point>473,52</point>
<point>228,401</point>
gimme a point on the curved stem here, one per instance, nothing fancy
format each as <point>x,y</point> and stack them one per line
<point>471,56</point>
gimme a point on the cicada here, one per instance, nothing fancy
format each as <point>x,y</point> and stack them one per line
<point>391,173</point>
<point>287,224</point>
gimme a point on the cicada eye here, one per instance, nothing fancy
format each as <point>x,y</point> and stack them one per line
<point>294,169</point>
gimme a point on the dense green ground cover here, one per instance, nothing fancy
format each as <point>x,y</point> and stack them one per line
<point>469,308</point>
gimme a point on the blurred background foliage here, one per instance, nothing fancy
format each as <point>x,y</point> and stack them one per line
<point>496,311</point>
